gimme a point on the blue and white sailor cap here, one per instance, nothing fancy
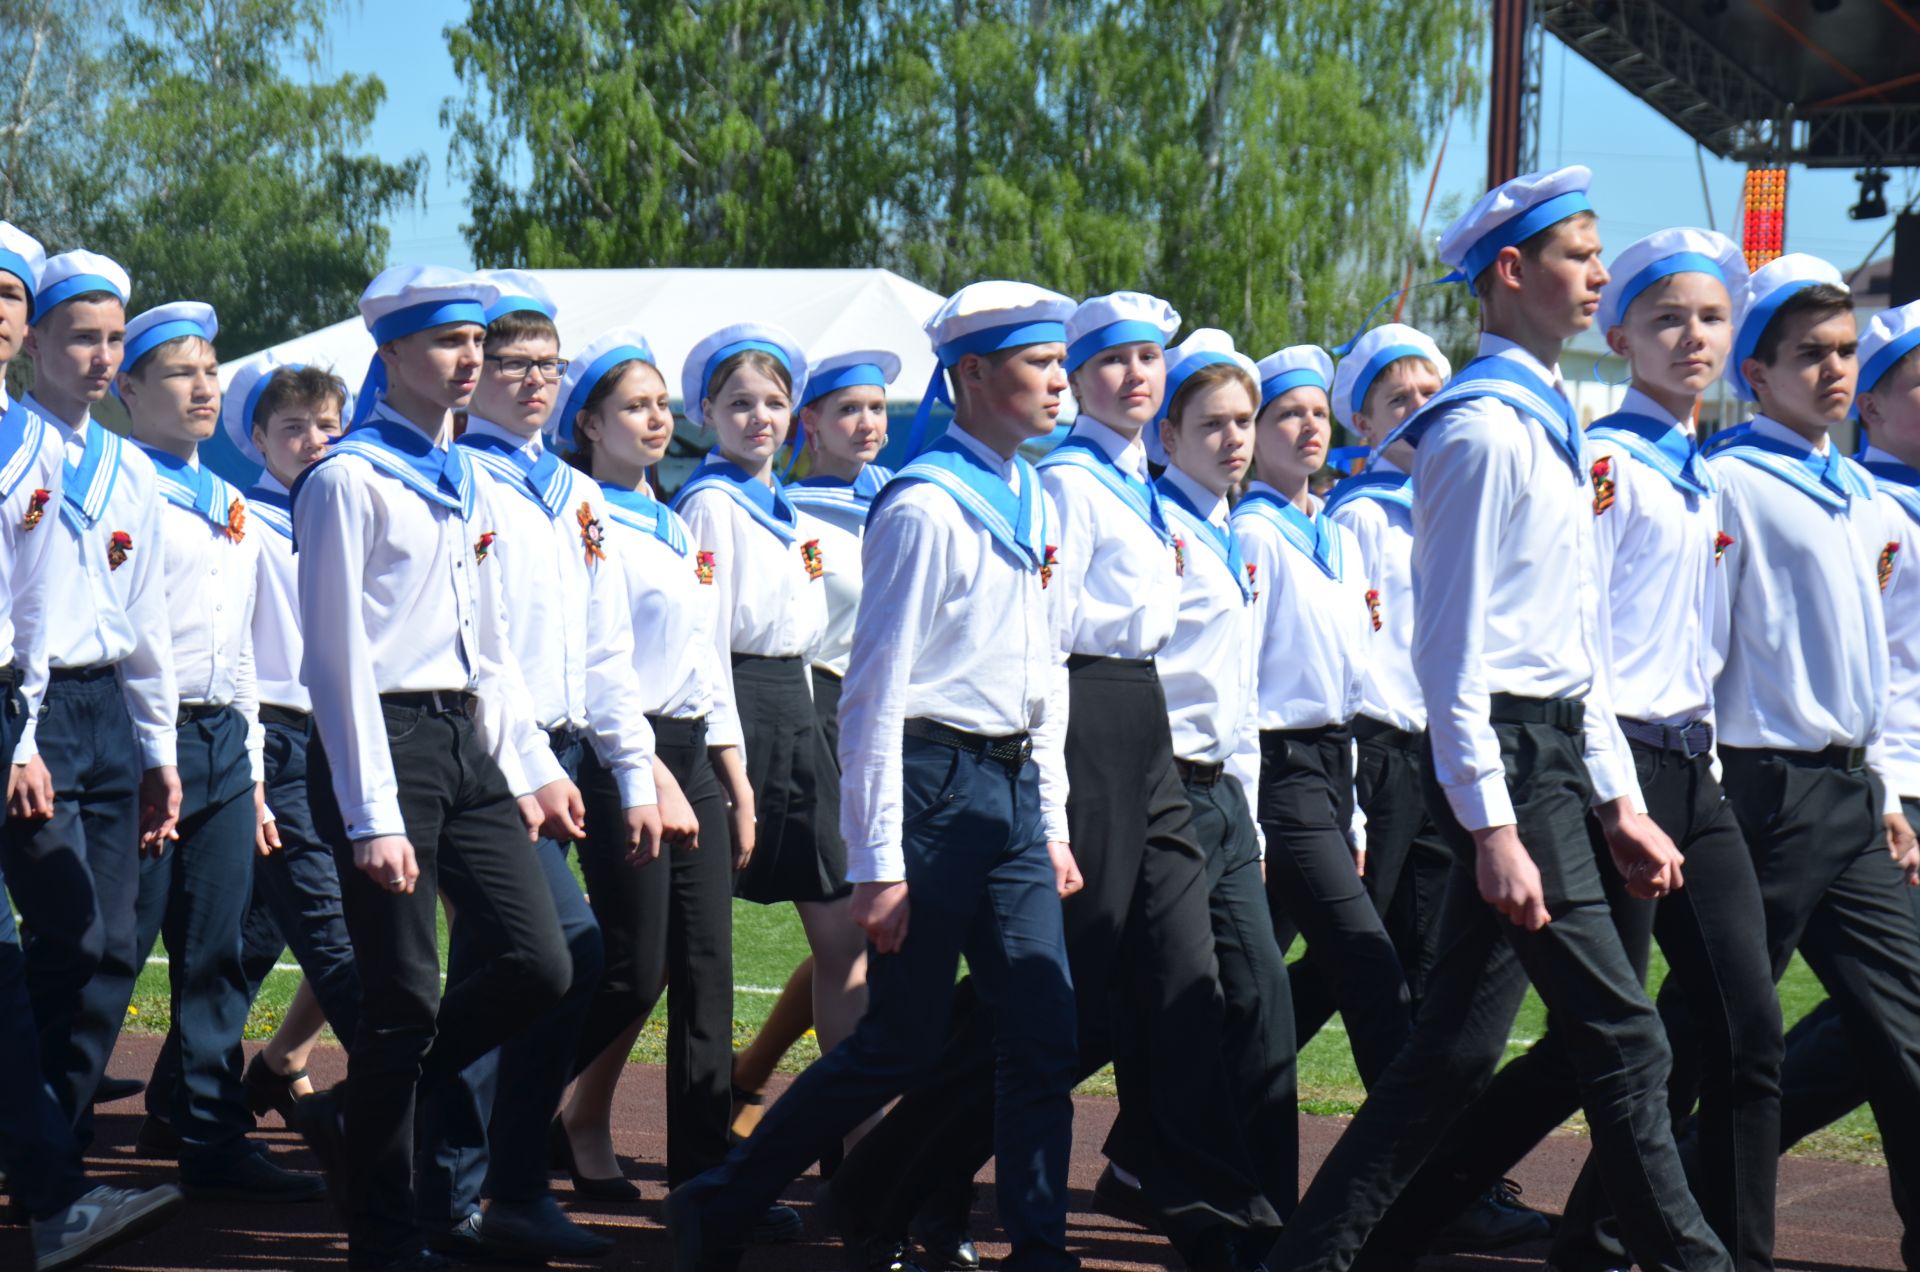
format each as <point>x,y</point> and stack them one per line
<point>79,273</point>
<point>1663,254</point>
<point>148,331</point>
<point>242,397</point>
<point>1510,214</point>
<point>599,358</point>
<point>1768,289</point>
<point>1891,336</point>
<point>519,291</point>
<point>404,299</point>
<point>998,314</point>
<point>876,367</point>
<point>1373,353</point>
<point>22,256</point>
<point>697,371</point>
<point>1293,367</point>
<point>1119,318</point>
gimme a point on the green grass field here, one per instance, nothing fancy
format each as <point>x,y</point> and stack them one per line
<point>768,944</point>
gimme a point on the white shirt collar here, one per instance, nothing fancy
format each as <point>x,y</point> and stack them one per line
<point>1876,455</point>
<point>1214,505</point>
<point>532,447</point>
<point>1008,470</point>
<point>1377,462</point>
<point>1637,403</point>
<point>1501,347</point>
<point>1768,427</point>
<point>382,408</point>
<point>35,404</point>
<point>1313,501</point>
<point>1130,455</point>
<point>271,483</point>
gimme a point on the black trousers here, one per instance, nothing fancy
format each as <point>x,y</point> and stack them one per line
<point>468,839</point>
<point>1140,946</point>
<point>797,851</point>
<point>1408,864</point>
<point>669,927</point>
<point>1712,933</point>
<point>1580,967</point>
<point>1314,889</point>
<point>1832,892</point>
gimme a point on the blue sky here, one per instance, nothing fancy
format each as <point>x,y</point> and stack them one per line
<point>1645,174</point>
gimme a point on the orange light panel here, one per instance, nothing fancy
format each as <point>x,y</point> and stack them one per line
<point>1764,224</point>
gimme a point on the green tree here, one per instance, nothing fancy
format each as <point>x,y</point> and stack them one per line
<point>51,85</point>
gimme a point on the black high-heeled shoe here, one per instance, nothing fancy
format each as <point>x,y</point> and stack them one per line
<point>615,1188</point>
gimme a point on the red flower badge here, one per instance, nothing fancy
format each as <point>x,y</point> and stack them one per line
<point>703,567</point>
<point>1179,556</point>
<point>36,508</point>
<point>1602,484</point>
<point>482,546</point>
<point>1048,559</point>
<point>593,536</point>
<point>1253,585</point>
<point>119,548</point>
<point>1721,542</point>
<point>1373,606</point>
<point>237,520</point>
<point>811,558</point>
<point>1887,556</point>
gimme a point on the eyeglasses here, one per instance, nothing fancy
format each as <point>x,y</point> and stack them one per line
<point>518,368</point>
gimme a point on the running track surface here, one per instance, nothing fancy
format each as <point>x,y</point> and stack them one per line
<point>1832,1216</point>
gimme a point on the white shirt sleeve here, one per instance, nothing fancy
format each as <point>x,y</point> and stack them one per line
<point>505,718</point>
<point>146,674</point>
<point>31,588</point>
<point>1063,587</point>
<point>246,685</point>
<point>622,737</point>
<point>1609,759</point>
<point>712,530</point>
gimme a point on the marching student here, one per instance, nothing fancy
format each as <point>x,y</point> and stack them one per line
<point>843,427</point>
<point>1804,690</point>
<point>198,893</point>
<point>1142,926</point>
<point>569,630</point>
<point>1312,623</point>
<point>769,569</point>
<point>97,743</point>
<point>428,771</point>
<point>1508,655</point>
<point>668,927</point>
<point>951,689</point>
<point>70,1221</point>
<point>283,418</point>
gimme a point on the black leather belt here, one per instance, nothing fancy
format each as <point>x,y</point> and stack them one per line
<point>690,732</point>
<point>1342,733</point>
<point>1688,739</point>
<point>1368,729</point>
<point>1851,759</point>
<point>1197,773</point>
<point>437,701</point>
<point>285,717</point>
<point>194,712</point>
<point>1011,751</point>
<point>775,658</point>
<point>80,675</point>
<point>1076,661</point>
<point>1566,714</point>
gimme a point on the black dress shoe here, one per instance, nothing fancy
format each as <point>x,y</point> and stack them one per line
<point>1496,1221</point>
<point>461,1242</point>
<point>535,1231</point>
<point>880,1256</point>
<point>250,1176</point>
<point>111,1089</point>
<point>948,1247</point>
<point>320,1120</point>
<point>693,1249</point>
<point>777,1225</point>
<point>613,1188</point>
<point>157,1138</point>
<point>1115,1198</point>
<point>266,1090</point>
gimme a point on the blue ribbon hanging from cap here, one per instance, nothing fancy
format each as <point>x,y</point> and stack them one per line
<point>1273,386</point>
<point>583,388</point>
<point>400,324</point>
<point>987,340</point>
<point>66,289</point>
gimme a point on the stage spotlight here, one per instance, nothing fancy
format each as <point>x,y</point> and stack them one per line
<point>1873,195</point>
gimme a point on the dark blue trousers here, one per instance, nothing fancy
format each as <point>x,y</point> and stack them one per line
<point>37,1146</point>
<point>485,1130</point>
<point>296,892</point>
<point>979,884</point>
<point>196,896</point>
<point>76,877</point>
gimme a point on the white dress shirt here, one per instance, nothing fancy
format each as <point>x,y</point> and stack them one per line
<point>211,578</point>
<point>676,663</point>
<point>399,600</point>
<point>841,521</point>
<point>1804,638</point>
<point>568,621</point>
<point>1896,755</point>
<point>29,521</point>
<point>1312,629</point>
<point>1208,669</point>
<point>107,614</point>
<point>276,603</point>
<point>1383,529</point>
<point>1656,544</point>
<point>1115,575</point>
<point>1506,594</point>
<point>952,628</point>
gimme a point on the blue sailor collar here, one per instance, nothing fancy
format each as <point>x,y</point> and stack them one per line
<point>1830,480</point>
<point>828,493</point>
<point>398,448</point>
<point>1097,448</point>
<point>1183,497</point>
<point>525,465</point>
<point>269,503</point>
<point>191,485</point>
<point>1316,537</point>
<point>765,501</point>
<point>1016,520</point>
<point>1508,373</point>
<point>639,510</point>
<point>1382,481</point>
<point>1644,430</point>
<point>86,487</point>
<point>1899,482</point>
<point>22,433</point>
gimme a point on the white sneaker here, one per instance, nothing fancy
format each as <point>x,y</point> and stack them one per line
<point>101,1219</point>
